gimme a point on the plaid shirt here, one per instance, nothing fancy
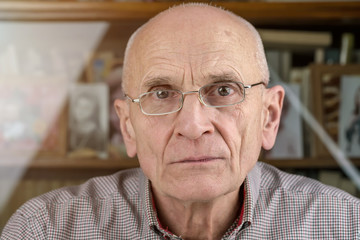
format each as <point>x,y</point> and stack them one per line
<point>277,205</point>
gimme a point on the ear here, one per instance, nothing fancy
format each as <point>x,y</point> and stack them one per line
<point>272,112</point>
<point>127,130</point>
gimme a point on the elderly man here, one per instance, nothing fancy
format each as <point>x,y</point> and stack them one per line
<point>197,112</point>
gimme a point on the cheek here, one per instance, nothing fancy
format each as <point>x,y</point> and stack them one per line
<point>248,138</point>
<point>151,140</point>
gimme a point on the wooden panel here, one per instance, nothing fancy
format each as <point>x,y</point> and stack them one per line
<point>255,12</point>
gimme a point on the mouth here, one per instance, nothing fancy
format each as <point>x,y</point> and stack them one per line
<point>198,160</point>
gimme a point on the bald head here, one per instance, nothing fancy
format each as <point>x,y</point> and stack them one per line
<point>195,25</point>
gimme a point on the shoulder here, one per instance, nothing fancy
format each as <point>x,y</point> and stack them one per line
<point>106,193</point>
<point>295,207</point>
<point>273,179</point>
<point>98,188</point>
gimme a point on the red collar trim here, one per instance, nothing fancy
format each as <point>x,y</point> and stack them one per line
<point>157,218</point>
<point>242,196</point>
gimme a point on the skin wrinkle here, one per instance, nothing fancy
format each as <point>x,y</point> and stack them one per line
<point>157,59</point>
<point>191,54</point>
<point>235,70</point>
<point>156,80</point>
<point>201,197</point>
<point>259,50</point>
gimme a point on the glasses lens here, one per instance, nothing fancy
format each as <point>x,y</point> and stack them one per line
<point>161,101</point>
<point>222,93</point>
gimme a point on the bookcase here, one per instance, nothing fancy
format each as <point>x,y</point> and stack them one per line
<point>114,22</point>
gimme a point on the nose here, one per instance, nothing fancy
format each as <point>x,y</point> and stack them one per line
<point>193,120</point>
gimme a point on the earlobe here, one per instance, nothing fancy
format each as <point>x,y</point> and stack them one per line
<point>272,113</point>
<point>127,130</point>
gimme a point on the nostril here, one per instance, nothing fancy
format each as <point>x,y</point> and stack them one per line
<point>193,121</point>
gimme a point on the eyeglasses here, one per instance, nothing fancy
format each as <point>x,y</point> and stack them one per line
<point>217,95</point>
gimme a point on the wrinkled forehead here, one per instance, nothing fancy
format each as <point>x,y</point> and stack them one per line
<point>192,25</point>
<point>192,31</point>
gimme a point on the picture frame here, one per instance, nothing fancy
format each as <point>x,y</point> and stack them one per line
<point>88,125</point>
<point>349,121</point>
<point>326,97</point>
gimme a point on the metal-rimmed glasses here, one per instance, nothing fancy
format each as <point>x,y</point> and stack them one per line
<point>219,94</point>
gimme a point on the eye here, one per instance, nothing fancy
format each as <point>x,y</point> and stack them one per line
<point>224,91</point>
<point>162,94</point>
<point>219,89</point>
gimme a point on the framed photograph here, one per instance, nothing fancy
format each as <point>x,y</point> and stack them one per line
<point>327,99</point>
<point>289,141</point>
<point>88,120</point>
<point>349,121</point>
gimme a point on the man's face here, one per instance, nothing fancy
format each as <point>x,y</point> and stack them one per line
<point>200,152</point>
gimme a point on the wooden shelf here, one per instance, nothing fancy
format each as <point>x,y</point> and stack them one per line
<point>259,13</point>
<point>55,162</point>
<point>307,163</point>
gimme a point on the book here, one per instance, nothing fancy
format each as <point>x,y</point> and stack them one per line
<point>347,48</point>
<point>295,39</point>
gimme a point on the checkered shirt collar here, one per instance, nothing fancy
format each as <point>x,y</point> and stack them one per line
<point>252,188</point>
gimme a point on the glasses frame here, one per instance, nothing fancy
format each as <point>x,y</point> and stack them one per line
<point>137,100</point>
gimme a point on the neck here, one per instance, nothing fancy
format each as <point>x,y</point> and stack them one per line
<point>198,220</point>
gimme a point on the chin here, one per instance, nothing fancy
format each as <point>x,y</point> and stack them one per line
<point>204,191</point>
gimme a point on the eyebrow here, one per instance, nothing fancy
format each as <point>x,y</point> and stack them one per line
<point>224,77</point>
<point>164,80</point>
<point>156,81</point>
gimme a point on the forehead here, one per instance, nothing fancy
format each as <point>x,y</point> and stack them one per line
<point>193,26</point>
<point>196,43</point>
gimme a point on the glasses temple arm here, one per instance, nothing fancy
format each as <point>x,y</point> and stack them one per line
<point>255,84</point>
<point>136,100</point>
